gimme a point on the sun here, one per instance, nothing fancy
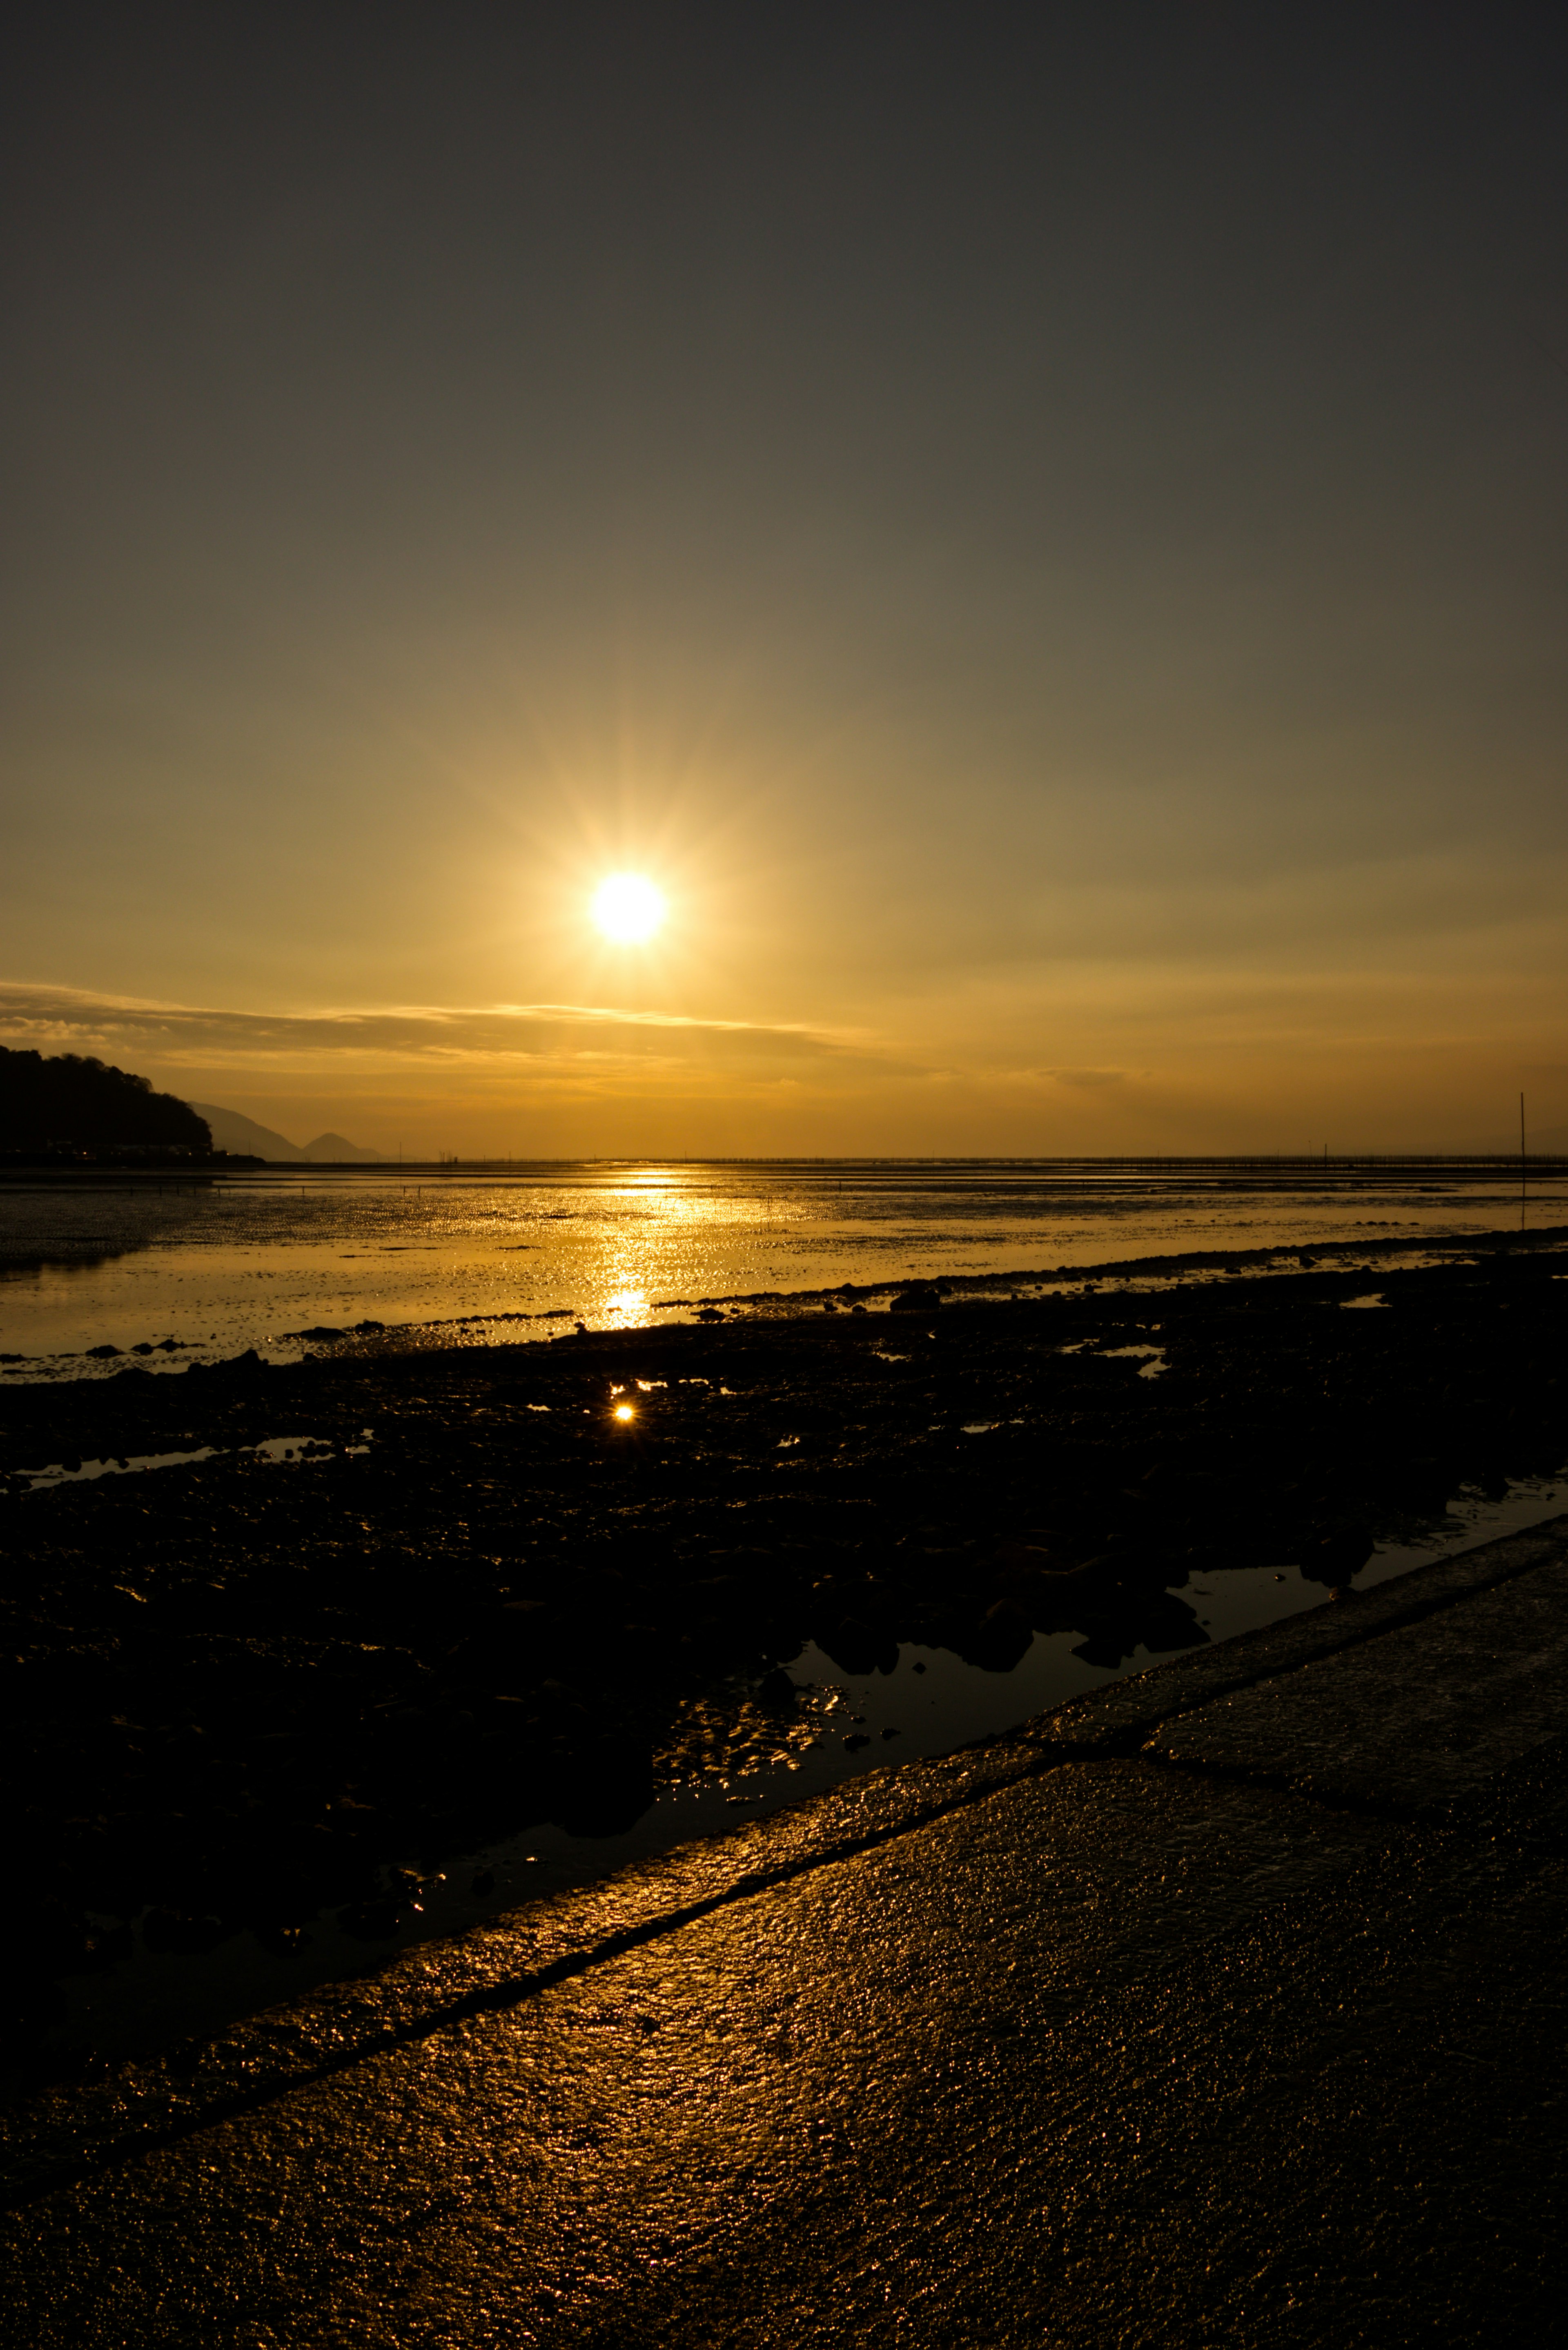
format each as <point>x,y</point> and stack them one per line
<point>629,908</point>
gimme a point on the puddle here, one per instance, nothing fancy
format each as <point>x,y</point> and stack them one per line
<point>82,1471</point>
<point>300,1450</point>
<point>1154,1358</point>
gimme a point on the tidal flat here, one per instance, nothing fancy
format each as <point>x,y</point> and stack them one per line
<point>387,1606</point>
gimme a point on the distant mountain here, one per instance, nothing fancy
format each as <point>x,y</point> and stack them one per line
<point>233,1132</point>
<point>230,1131</point>
<point>333,1146</point>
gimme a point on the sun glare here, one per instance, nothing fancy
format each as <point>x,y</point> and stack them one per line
<point>629,908</point>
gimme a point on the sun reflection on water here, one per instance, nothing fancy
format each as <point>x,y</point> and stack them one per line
<point>248,1261</point>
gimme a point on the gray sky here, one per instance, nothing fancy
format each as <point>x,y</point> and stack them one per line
<point>1042,529</point>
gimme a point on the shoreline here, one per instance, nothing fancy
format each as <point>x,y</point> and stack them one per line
<point>267,1687</point>
<point>376,1336</point>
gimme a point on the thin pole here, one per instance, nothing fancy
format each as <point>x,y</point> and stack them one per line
<point>1521,1150</point>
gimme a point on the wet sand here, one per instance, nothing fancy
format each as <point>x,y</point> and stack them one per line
<point>240,1692</point>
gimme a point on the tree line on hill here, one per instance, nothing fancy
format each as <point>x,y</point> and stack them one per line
<point>73,1102</point>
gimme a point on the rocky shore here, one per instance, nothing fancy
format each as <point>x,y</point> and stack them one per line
<point>500,1585</point>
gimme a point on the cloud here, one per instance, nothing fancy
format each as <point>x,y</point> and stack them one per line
<point>590,1044</point>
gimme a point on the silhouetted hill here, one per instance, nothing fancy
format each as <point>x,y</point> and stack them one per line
<point>233,1131</point>
<point>230,1131</point>
<point>79,1103</point>
<point>334,1147</point>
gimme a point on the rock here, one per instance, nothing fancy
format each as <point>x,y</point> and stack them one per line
<point>101,1354</point>
<point>923,1297</point>
<point>1035,1553</point>
<point>1001,1637</point>
<point>371,1921</point>
<point>177,1930</point>
<point>776,1693</point>
<point>1337,1558</point>
<point>857,1649</point>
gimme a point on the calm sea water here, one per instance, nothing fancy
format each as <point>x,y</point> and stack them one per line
<point>244,1260</point>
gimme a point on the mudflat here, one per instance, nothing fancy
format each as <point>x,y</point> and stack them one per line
<point>492,1584</point>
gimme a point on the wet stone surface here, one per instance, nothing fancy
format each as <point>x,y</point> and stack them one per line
<point>496,1586</point>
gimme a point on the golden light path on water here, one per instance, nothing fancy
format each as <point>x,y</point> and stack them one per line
<point>242,1262</point>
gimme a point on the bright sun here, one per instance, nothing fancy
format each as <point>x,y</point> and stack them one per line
<point>627,909</point>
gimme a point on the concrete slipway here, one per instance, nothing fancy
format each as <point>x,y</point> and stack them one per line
<point>1227,2005</point>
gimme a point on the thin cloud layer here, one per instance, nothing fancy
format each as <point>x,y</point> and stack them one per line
<point>515,1041</point>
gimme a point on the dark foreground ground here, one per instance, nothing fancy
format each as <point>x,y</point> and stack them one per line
<point>1227,2005</point>
<point>235,1691</point>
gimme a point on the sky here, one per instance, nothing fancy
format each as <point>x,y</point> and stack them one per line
<point>1042,530</point>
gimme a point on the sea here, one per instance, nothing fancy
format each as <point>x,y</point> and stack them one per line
<point>219,1264</point>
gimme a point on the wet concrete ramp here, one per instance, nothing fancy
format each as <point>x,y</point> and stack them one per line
<point>1227,2006</point>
